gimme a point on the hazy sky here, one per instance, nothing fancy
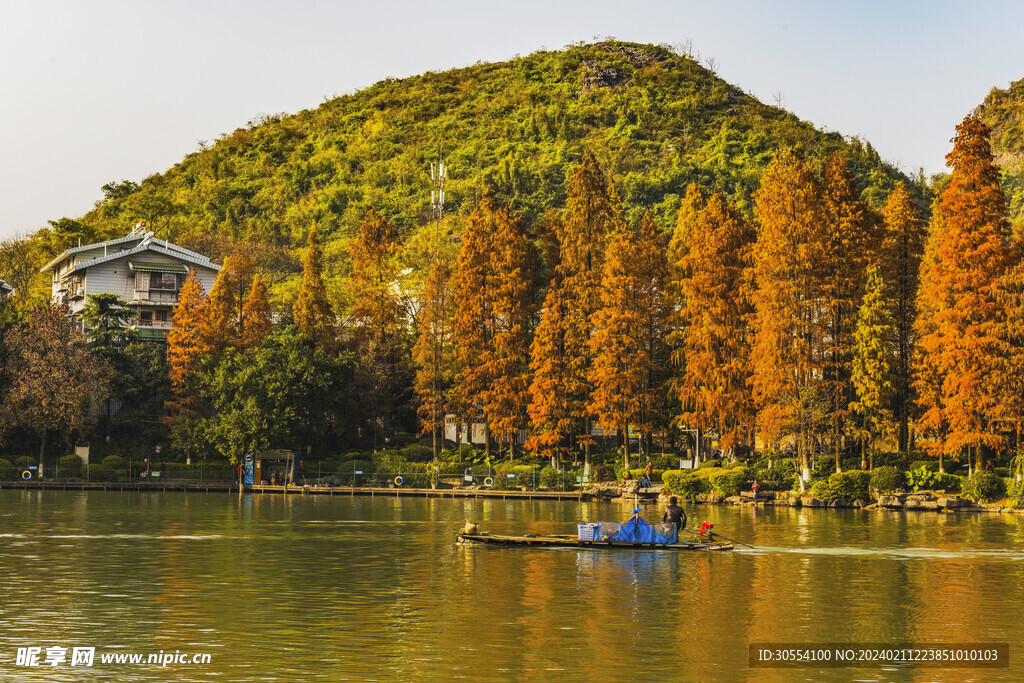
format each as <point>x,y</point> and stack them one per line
<point>94,91</point>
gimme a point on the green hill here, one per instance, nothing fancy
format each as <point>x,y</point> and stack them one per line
<point>656,121</point>
<point>1003,112</point>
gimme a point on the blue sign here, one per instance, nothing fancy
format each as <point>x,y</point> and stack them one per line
<point>249,473</point>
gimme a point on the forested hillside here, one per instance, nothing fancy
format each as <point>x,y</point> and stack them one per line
<point>655,120</point>
<point>1003,112</point>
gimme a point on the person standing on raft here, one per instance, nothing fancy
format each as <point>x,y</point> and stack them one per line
<point>674,514</point>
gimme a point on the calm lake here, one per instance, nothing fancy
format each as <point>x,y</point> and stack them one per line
<point>293,588</point>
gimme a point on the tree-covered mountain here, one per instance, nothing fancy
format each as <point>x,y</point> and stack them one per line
<point>1003,112</point>
<point>655,120</point>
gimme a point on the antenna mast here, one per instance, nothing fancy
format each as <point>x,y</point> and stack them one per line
<point>438,174</point>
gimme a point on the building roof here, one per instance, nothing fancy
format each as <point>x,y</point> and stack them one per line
<point>146,242</point>
<point>5,288</point>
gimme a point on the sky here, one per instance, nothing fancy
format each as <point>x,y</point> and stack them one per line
<point>109,90</point>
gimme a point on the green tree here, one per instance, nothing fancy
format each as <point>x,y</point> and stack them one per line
<point>871,366</point>
<point>312,311</point>
<point>107,318</point>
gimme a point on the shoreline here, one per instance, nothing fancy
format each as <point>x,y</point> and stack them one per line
<point>923,501</point>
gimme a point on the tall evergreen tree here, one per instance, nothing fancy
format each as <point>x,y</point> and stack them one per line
<point>901,250</point>
<point>871,366</point>
<point>849,247</point>
<point>960,314</point>
<point>312,312</point>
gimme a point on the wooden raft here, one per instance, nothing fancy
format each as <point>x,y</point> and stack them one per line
<point>573,542</point>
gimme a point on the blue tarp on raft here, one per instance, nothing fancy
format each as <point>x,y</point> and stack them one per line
<point>637,530</point>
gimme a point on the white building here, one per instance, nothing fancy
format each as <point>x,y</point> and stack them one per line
<point>144,271</point>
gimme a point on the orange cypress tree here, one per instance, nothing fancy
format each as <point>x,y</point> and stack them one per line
<point>901,250</point>
<point>378,335</point>
<point>620,358</point>
<point>960,312</point>
<point>474,317</point>
<point>848,248</point>
<point>225,318</point>
<point>587,221</point>
<point>716,310</point>
<point>512,307</point>
<point>433,351</point>
<point>788,341</point>
<point>256,315</point>
<point>551,418</point>
<point>187,346</point>
<point>312,312</point>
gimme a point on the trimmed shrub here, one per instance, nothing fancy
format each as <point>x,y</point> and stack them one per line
<point>930,465</point>
<point>1015,493</point>
<point>25,461</point>
<point>417,453</point>
<point>708,464</point>
<point>886,479</point>
<point>685,484</point>
<point>949,482</point>
<point>1003,472</point>
<point>114,462</point>
<point>984,487</point>
<point>731,482</point>
<point>522,475</point>
<point>69,466</point>
<point>850,485</point>
<point>7,470</point>
<point>97,472</point>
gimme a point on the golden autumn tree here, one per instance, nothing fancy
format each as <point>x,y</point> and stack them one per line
<point>617,373</point>
<point>512,311</point>
<point>377,317</point>
<point>787,350</point>
<point>902,246</point>
<point>433,352</point>
<point>960,315</point>
<point>587,221</point>
<point>715,311</point>
<point>187,346</point>
<point>849,246</point>
<point>314,318</point>
<point>551,418</point>
<point>257,316</point>
<point>225,319</point>
<point>474,318</point>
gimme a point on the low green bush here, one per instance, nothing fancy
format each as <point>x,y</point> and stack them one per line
<point>731,482</point>
<point>685,484</point>
<point>984,487</point>
<point>1003,472</point>
<point>94,471</point>
<point>774,479</point>
<point>7,470</point>
<point>69,466</point>
<point>709,464</point>
<point>522,475</point>
<point>887,479</point>
<point>850,485</point>
<point>949,482</point>
<point>25,461</point>
<point>418,453</point>
<point>114,462</point>
<point>930,465</point>
<point>922,478</point>
<point>1015,493</point>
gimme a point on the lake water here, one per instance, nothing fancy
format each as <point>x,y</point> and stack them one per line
<point>277,588</point>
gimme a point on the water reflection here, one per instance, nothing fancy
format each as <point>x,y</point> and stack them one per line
<point>313,587</point>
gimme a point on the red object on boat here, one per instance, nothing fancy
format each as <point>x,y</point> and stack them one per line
<point>705,527</point>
